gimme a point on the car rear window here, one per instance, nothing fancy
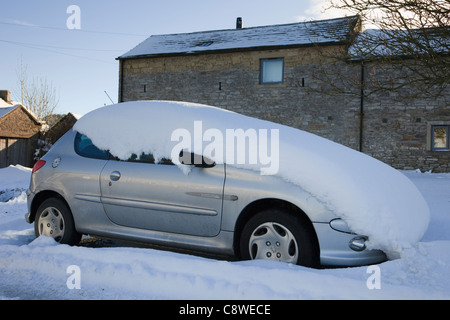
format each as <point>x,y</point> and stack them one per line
<point>85,148</point>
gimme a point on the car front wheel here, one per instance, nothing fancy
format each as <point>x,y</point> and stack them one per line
<point>274,234</point>
<point>54,219</point>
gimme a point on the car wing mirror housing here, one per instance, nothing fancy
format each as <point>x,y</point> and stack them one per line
<point>199,161</point>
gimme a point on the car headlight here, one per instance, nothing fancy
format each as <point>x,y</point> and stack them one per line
<point>340,225</point>
<point>358,243</point>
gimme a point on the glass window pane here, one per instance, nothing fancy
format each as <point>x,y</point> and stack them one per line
<point>85,148</point>
<point>144,157</point>
<point>440,137</point>
<point>272,71</point>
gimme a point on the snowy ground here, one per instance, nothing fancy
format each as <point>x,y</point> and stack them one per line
<point>41,269</point>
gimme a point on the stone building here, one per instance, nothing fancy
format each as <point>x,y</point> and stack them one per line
<point>291,74</point>
<point>19,133</point>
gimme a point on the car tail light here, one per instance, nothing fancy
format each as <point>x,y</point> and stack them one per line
<point>38,165</point>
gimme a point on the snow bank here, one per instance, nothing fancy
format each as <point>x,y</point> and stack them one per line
<point>435,188</point>
<point>373,198</point>
<point>38,268</point>
<point>12,177</point>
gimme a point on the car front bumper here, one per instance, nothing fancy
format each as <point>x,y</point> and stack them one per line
<point>339,248</point>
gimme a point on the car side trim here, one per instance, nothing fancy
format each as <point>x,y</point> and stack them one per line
<point>88,197</point>
<point>217,196</point>
<point>158,206</point>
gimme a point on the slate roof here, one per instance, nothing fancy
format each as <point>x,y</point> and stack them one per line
<point>7,107</point>
<point>376,43</point>
<point>5,110</point>
<point>331,31</point>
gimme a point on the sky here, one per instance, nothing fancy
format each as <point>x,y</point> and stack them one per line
<point>75,48</point>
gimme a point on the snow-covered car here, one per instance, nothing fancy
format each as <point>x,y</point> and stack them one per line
<point>206,179</point>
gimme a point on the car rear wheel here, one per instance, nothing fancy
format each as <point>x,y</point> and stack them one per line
<point>274,234</point>
<point>54,219</point>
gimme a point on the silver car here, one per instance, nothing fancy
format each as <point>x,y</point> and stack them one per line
<point>76,189</point>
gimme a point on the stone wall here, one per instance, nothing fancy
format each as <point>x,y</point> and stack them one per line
<point>397,123</point>
<point>320,94</point>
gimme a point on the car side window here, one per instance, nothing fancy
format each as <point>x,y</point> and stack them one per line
<point>166,161</point>
<point>147,158</point>
<point>85,148</point>
<point>144,157</point>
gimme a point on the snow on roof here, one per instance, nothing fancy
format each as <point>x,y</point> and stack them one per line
<point>376,43</point>
<point>7,107</point>
<point>5,110</point>
<point>294,34</point>
<point>76,115</point>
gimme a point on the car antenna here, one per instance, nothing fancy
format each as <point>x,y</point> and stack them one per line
<point>109,97</point>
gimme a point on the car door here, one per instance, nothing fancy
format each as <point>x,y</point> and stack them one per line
<point>161,197</point>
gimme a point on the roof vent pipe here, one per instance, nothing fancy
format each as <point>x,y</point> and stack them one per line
<point>239,23</point>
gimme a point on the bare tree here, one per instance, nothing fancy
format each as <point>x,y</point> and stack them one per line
<point>398,14</point>
<point>37,94</point>
<point>410,36</point>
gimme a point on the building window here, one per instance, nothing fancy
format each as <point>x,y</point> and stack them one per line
<point>271,71</point>
<point>439,137</point>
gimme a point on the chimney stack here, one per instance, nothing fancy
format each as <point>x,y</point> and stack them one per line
<point>5,95</point>
<point>239,23</point>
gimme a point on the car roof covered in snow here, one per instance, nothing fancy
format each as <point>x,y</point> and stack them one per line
<point>369,195</point>
<point>331,31</point>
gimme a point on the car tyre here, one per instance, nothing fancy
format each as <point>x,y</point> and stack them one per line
<point>275,234</point>
<point>54,219</point>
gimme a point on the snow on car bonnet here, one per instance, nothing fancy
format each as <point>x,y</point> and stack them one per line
<point>374,199</point>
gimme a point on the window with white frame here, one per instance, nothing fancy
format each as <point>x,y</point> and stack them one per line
<point>271,71</point>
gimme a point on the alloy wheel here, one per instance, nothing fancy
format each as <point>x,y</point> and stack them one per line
<point>51,223</point>
<point>273,241</point>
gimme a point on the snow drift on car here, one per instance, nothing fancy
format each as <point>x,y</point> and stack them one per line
<point>373,198</point>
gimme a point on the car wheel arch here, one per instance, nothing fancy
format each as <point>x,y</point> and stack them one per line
<point>263,204</point>
<point>40,198</point>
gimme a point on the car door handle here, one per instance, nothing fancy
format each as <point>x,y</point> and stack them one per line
<point>114,176</point>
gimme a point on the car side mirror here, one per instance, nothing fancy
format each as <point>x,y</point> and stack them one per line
<point>199,161</point>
